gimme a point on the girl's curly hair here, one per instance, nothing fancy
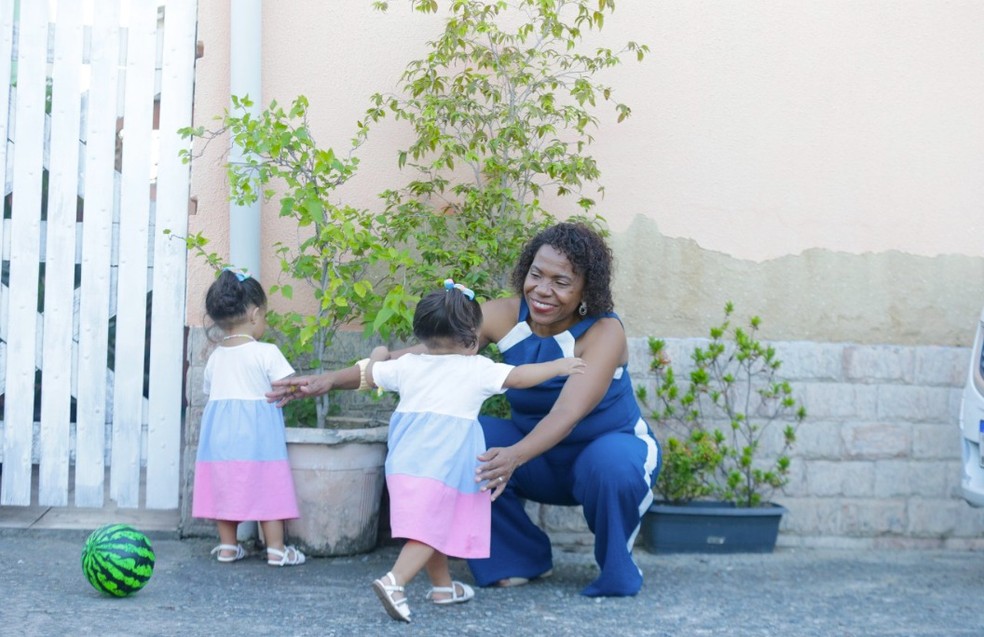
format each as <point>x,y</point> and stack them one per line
<point>230,297</point>
<point>447,314</point>
<point>589,255</point>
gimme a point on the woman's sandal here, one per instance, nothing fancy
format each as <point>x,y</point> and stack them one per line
<point>467,592</point>
<point>290,556</point>
<point>395,608</point>
<point>238,554</point>
<point>510,582</point>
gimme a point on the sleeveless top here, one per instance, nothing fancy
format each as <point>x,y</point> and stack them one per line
<point>617,411</point>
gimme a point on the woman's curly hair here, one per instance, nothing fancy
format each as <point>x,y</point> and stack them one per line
<point>589,255</point>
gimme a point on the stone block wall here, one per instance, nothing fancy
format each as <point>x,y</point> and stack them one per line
<point>877,462</point>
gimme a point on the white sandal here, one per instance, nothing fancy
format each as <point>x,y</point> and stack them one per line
<point>467,592</point>
<point>238,555</point>
<point>395,608</point>
<point>290,556</point>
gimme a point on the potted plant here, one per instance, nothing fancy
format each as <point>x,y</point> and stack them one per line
<point>715,486</point>
<point>339,255</point>
<point>501,110</point>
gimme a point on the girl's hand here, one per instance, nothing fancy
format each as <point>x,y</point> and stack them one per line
<point>571,365</point>
<point>499,463</point>
<point>292,387</point>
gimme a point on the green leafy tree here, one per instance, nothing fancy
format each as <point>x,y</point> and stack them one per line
<point>500,116</point>
<point>502,109</point>
<point>340,253</point>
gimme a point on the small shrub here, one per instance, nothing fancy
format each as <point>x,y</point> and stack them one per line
<point>712,427</point>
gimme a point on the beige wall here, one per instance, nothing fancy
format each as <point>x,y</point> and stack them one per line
<point>817,162</point>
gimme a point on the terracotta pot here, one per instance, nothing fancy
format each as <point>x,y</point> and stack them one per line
<point>339,478</point>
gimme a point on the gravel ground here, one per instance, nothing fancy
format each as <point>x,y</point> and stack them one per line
<point>789,593</point>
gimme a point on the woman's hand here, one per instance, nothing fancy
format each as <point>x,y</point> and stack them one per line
<point>287,389</point>
<point>498,465</point>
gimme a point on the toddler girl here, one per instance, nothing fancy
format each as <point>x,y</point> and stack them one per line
<point>435,440</point>
<point>241,470</point>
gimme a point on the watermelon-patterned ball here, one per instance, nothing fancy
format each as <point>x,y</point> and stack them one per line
<point>117,560</point>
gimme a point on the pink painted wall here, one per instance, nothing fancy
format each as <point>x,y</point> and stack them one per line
<point>818,162</point>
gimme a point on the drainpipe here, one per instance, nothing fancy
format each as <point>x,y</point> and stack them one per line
<point>245,56</point>
<point>245,66</point>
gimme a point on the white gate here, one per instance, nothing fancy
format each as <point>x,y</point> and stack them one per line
<point>92,295</point>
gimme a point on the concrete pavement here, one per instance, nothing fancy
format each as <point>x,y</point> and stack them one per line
<point>789,593</point>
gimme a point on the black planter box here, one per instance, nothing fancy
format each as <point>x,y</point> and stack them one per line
<point>711,527</point>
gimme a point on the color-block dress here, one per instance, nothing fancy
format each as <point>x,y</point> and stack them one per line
<point>434,444</point>
<point>241,470</point>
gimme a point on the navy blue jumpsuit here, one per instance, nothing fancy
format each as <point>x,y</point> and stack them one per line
<point>607,465</point>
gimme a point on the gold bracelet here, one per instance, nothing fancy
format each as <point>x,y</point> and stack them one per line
<point>363,384</point>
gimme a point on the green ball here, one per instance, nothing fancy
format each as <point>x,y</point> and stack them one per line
<point>117,560</point>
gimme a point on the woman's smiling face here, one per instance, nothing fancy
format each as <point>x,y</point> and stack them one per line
<point>553,291</point>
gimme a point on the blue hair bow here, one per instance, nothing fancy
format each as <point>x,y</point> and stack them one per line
<point>450,285</point>
<point>240,275</point>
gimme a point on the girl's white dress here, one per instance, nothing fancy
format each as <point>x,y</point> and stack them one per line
<point>241,470</point>
<point>434,444</point>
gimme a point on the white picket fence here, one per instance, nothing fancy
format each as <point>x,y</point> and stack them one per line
<point>90,183</point>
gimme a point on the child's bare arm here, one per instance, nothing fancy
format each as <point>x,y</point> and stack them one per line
<point>378,354</point>
<point>535,373</point>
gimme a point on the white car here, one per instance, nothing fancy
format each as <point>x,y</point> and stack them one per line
<point>972,424</point>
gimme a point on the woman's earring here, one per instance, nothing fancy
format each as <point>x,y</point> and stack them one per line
<point>582,309</point>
